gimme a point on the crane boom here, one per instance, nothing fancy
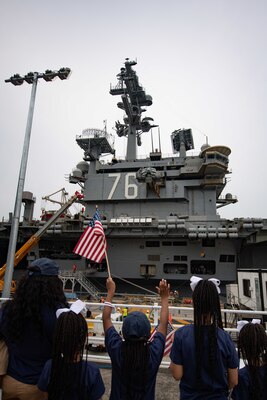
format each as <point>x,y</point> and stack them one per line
<point>34,239</point>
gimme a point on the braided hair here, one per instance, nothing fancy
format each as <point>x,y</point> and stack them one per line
<point>67,374</point>
<point>32,295</point>
<point>252,347</point>
<point>207,313</point>
<point>134,368</point>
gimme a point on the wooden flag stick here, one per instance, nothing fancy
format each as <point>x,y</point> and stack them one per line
<point>106,254</point>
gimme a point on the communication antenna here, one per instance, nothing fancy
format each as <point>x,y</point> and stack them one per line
<point>159,139</point>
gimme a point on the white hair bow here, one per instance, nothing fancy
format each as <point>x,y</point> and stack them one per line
<point>241,324</point>
<point>195,279</point>
<point>76,307</point>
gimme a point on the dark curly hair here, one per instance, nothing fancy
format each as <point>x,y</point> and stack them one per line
<point>32,294</point>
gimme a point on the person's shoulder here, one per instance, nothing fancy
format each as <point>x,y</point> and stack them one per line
<point>158,337</point>
<point>112,336</point>
<point>111,331</point>
<point>185,330</point>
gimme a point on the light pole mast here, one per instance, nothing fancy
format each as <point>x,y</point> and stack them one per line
<point>16,80</point>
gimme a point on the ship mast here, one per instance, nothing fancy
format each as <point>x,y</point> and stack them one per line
<point>133,98</point>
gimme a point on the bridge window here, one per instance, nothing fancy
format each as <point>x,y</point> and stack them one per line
<point>203,267</point>
<point>227,258</point>
<point>147,270</point>
<point>152,243</point>
<point>153,257</point>
<point>179,258</point>
<point>180,243</point>
<point>175,268</point>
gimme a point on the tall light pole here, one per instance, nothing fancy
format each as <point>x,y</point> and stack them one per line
<point>31,78</point>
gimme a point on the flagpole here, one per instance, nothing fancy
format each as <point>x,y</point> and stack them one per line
<point>106,254</point>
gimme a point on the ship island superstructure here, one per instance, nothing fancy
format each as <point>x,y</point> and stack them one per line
<point>160,215</point>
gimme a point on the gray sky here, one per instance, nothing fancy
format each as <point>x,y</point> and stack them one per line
<point>203,61</point>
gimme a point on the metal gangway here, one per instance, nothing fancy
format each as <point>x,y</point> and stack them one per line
<point>79,277</point>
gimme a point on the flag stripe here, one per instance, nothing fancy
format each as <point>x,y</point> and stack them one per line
<point>92,244</point>
<point>168,342</point>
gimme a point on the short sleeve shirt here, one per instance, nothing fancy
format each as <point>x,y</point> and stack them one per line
<point>93,386</point>
<point>28,356</point>
<point>113,343</point>
<point>183,353</point>
<point>243,391</point>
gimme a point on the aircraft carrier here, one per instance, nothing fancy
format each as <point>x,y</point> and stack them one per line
<point>160,214</point>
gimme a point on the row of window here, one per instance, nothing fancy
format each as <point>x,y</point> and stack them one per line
<point>226,258</point>
<point>200,267</point>
<point>207,242</point>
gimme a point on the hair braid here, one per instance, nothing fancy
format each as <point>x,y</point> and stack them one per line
<point>66,373</point>
<point>207,312</point>
<point>134,369</point>
<point>252,347</point>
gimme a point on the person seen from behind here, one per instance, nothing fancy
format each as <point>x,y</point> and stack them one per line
<point>203,355</point>
<point>68,375</point>
<point>252,348</point>
<point>27,325</point>
<point>135,360</point>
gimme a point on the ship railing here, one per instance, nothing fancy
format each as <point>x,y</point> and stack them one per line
<point>94,133</point>
<point>179,316</point>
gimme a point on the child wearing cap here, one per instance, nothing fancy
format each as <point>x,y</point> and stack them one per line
<point>27,325</point>
<point>135,360</point>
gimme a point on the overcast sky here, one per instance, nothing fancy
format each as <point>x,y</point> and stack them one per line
<point>203,62</point>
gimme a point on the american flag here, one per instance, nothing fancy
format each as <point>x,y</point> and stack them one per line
<point>168,343</point>
<point>92,244</point>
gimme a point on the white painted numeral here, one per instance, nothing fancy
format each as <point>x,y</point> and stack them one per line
<point>130,191</point>
<point>117,175</point>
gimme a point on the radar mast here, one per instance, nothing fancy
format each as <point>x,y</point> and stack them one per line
<point>134,98</point>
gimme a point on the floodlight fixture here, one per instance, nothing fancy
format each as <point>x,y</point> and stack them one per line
<point>63,73</point>
<point>29,78</point>
<point>49,75</point>
<point>15,80</point>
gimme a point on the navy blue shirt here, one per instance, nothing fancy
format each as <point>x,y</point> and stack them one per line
<point>28,356</point>
<point>93,386</point>
<point>243,391</point>
<point>113,343</point>
<point>183,353</point>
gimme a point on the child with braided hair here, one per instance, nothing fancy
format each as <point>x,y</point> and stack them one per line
<point>252,348</point>
<point>203,355</point>
<point>135,360</point>
<point>67,376</point>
